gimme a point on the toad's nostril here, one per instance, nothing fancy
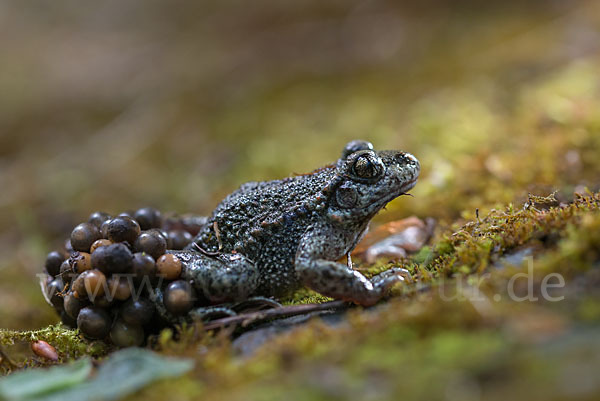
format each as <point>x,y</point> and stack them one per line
<point>414,162</point>
<point>406,159</point>
<point>411,158</point>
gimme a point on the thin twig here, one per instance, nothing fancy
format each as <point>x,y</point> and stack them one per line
<point>285,311</point>
<point>6,358</point>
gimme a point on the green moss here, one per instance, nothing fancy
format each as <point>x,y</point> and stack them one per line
<point>417,344</point>
<point>305,296</point>
<point>421,343</point>
<point>67,342</point>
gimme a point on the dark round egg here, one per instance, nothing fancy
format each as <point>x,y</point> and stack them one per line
<point>83,236</point>
<point>144,268</point>
<point>95,284</point>
<point>120,287</point>
<point>152,243</point>
<point>54,291</point>
<point>78,286</point>
<point>123,229</point>
<point>80,262</point>
<point>114,258</point>
<point>97,218</point>
<point>94,322</point>
<point>148,217</point>
<point>137,312</point>
<point>179,297</point>
<point>53,262</point>
<point>67,320</point>
<point>124,334</point>
<point>168,266</point>
<point>179,239</point>
<point>73,305</point>
<point>66,271</point>
<point>101,242</point>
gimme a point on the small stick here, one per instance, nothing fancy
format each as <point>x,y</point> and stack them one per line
<point>284,311</point>
<point>5,358</point>
<point>204,251</point>
<point>218,234</point>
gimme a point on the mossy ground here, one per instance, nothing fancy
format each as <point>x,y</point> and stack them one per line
<point>456,333</point>
<point>506,108</point>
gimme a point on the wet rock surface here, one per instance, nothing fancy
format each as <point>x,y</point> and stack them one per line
<point>248,342</point>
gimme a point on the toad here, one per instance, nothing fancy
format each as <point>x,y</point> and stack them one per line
<point>270,238</point>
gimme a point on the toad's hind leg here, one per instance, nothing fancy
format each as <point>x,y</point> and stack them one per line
<point>220,278</point>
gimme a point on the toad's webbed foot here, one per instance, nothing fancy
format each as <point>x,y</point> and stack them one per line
<point>257,303</point>
<point>207,313</point>
<point>384,281</point>
<point>214,312</point>
<point>252,304</point>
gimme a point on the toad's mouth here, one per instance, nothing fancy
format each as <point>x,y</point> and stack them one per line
<point>408,186</point>
<point>403,190</point>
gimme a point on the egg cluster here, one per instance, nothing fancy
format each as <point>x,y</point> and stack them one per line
<point>102,282</point>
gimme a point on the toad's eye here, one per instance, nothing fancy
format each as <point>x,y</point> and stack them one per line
<point>364,168</point>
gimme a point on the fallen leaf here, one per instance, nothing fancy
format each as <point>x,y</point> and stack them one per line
<point>123,373</point>
<point>34,383</point>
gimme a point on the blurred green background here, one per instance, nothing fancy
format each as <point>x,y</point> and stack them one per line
<point>116,105</point>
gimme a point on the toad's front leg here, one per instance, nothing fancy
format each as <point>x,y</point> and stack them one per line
<point>337,280</point>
